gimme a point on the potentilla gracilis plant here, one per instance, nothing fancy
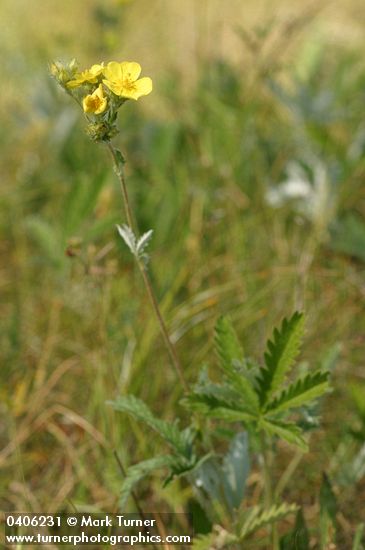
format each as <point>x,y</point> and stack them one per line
<point>101,91</point>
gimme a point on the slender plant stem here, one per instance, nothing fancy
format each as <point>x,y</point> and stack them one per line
<point>287,475</point>
<point>268,494</point>
<point>143,270</point>
<point>268,487</point>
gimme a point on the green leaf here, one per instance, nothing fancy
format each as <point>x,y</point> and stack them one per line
<point>120,158</point>
<point>219,401</point>
<point>208,477</point>
<point>327,499</point>
<point>223,413</point>
<point>236,468</point>
<point>328,511</point>
<point>180,466</point>
<point>301,392</point>
<point>258,517</point>
<point>137,472</point>
<point>128,237</point>
<point>219,538</point>
<point>230,354</point>
<point>298,538</point>
<point>180,441</point>
<point>214,406</point>
<point>226,481</point>
<point>281,352</point>
<point>214,395</point>
<point>285,430</point>
<point>226,343</point>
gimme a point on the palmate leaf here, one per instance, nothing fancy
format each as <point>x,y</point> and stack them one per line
<point>204,406</point>
<point>137,472</point>
<point>180,441</point>
<point>219,402</point>
<point>281,352</point>
<point>285,430</point>
<point>301,392</point>
<point>229,353</point>
<point>246,390</point>
<point>259,517</point>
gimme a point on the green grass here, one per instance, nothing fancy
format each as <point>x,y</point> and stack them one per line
<point>77,330</point>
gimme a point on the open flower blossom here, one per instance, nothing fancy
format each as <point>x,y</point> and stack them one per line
<point>101,91</point>
<point>90,75</point>
<point>123,80</point>
<point>96,102</point>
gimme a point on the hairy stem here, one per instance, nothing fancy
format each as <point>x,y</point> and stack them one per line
<point>143,270</point>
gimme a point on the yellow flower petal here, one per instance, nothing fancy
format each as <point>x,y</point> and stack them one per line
<point>115,87</point>
<point>90,75</point>
<point>96,102</point>
<point>96,69</point>
<point>122,80</point>
<point>143,86</point>
<point>113,71</point>
<point>130,70</point>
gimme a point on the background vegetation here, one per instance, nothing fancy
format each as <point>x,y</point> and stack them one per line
<point>248,162</point>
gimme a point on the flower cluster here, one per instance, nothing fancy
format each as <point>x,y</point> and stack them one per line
<point>101,91</point>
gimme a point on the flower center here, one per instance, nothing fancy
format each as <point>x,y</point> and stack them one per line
<point>129,85</point>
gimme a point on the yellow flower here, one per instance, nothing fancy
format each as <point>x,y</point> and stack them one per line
<point>122,80</point>
<point>90,75</point>
<point>96,102</point>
